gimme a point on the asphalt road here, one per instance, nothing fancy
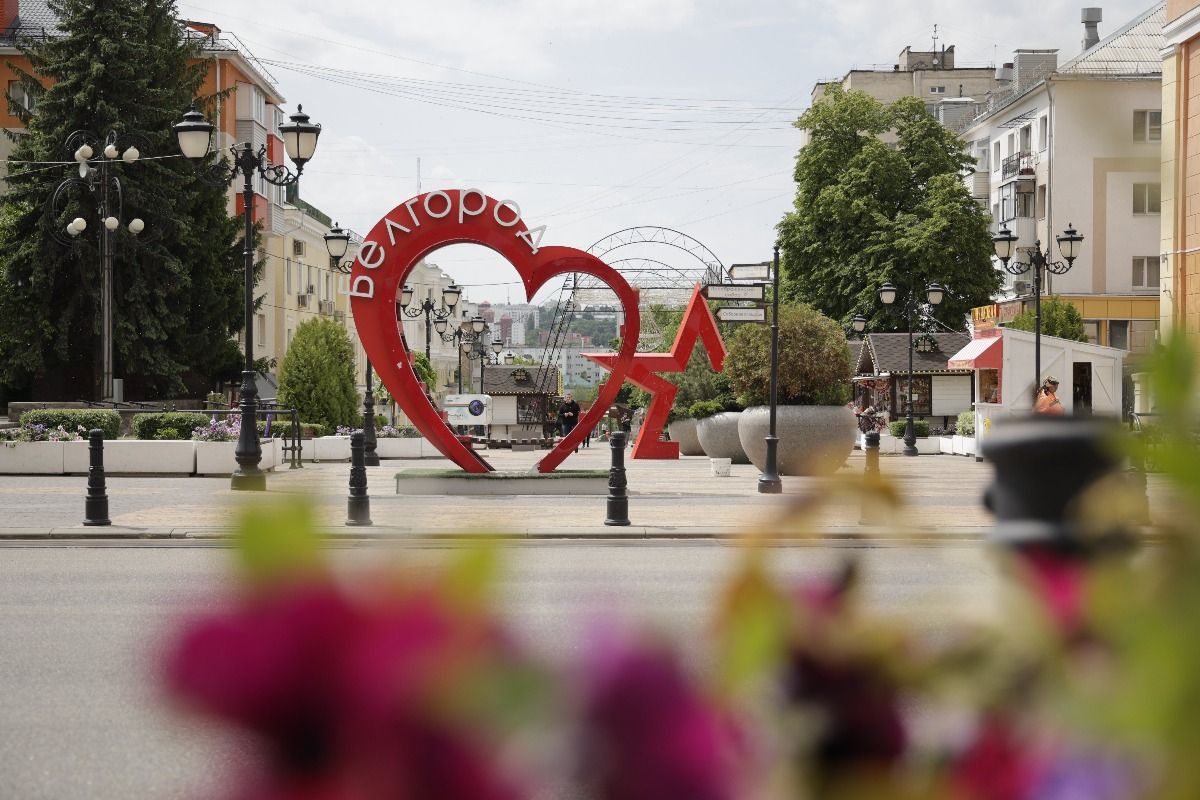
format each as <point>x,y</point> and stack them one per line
<point>81,715</point>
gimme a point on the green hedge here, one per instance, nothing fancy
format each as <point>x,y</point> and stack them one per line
<point>281,427</point>
<point>920,428</point>
<point>72,418</point>
<point>966,424</point>
<point>161,425</point>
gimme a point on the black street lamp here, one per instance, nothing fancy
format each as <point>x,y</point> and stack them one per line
<point>859,324</point>
<point>470,336</point>
<point>1070,244</point>
<point>194,134</point>
<point>97,177</point>
<point>431,313</point>
<point>887,296</point>
<point>337,242</point>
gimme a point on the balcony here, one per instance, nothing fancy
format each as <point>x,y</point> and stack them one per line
<point>1018,165</point>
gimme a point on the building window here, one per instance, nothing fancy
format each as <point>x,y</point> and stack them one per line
<point>1147,198</point>
<point>1118,333</point>
<point>1043,132</point>
<point>1143,334</point>
<point>1091,329</point>
<point>989,386</point>
<point>1147,126</point>
<point>922,395</point>
<point>937,89</point>
<point>308,282</point>
<point>996,156</point>
<point>22,96</point>
<point>260,330</point>
<point>1041,201</point>
<point>1145,272</point>
<point>1027,139</point>
<point>328,287</point>
<point>288,340</point>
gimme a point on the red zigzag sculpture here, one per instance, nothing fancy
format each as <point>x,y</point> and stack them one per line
<point>698,324</point>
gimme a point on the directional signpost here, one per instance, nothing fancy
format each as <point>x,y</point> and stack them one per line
<point>734,291</point>
<point>742,314</point>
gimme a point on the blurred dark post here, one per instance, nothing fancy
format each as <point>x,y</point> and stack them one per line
<point>618,499</point>
<point>358,505</point>
<point>1044,465</point>
<point>869,512</point>
<point>1137,476</point>
<point>95,507</point>
<point>296,448</point>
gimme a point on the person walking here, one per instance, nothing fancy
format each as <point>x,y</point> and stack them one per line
<point>568,414</point>
<point>1047,401</point>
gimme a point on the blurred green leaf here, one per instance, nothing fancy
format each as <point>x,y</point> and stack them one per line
<point>277,541</point>
<point>753,627</point>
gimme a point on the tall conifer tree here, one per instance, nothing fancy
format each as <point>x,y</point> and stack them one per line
<point>123,66</point>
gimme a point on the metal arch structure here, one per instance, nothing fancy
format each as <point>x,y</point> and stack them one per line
<point>713,270</point>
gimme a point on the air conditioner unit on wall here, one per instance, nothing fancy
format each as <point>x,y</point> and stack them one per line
<point>297,247</point>
<point>326,306</point>
<point>302,300</point>
<point>1021,287</point>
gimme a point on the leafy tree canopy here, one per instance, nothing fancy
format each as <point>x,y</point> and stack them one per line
<point>317,374</point>
<point>118,66</point>
<point>867,213</point>
<point>814,360</point>
<point>1059,318</point>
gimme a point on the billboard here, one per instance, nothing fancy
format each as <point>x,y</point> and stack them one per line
<point>468,409</point>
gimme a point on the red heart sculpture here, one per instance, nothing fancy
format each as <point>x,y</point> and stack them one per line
<point>415,228</point>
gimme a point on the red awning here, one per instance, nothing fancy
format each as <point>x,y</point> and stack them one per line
<point>979,354</point>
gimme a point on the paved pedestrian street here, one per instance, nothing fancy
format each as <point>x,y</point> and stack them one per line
<point>936,495</point>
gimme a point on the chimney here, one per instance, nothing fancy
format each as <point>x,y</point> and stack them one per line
<point>8,13</point>
<point>1091,17</point>
<point>1004,73</point>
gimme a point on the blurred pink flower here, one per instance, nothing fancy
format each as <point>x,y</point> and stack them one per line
<point>1058,581</point>
<point>341,693</point>
<point>650,734</point>
<point>998,765</point>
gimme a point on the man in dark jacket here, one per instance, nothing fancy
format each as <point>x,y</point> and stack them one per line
<point>568,414</point>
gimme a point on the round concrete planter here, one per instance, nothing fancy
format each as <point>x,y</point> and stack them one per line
<point>684,432</point>
<point>813,440</point>
<point>718,436</point>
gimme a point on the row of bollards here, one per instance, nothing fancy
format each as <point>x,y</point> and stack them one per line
<point>358,504</point>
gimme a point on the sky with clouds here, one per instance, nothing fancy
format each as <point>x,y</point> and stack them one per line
<point>595,115</point>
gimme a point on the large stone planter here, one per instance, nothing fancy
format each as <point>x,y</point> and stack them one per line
<point>684,432</point>
<point>400,448</point>
<point>718,436</point>
<point>31,458</point>
<point>813,440</point>
<point>332,448</point>
<point>134,456</point>
<point>218,458</point>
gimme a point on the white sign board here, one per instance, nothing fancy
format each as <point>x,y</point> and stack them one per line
<point>468,409</point>
<point>733,291</point>
<point>735,314</point>
<point>750,272</point>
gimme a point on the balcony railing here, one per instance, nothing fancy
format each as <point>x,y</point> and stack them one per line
<point>1017,164</point>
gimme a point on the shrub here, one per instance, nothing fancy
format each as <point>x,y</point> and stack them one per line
<point>281,428</point>
<point>151,426</point>
<point>920,428</point>
<point>814,362</point>
<point>317,374</point>
<point>705,408</point>
<point>169,434</point>
<point>966,423</point>
<point>72,418</point>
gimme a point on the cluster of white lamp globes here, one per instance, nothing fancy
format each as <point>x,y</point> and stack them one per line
<point>83,155</point>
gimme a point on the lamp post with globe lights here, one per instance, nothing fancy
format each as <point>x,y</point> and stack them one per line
<point>427,309</point>
<point>337,243</point>
<point>194,134</point>
<point>97,177</point>
<point>888,295</point>
<point>1070,245</point>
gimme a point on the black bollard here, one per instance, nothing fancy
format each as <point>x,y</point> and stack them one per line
<point>358,505</point>
<point>95,507</point>
<point>1043,466</point>
<point>618,499</point>
<point>1137,477</point>
<point>870,512</point>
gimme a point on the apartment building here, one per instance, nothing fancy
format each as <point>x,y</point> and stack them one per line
<point>1078,143</point>
<point>1180,219</point>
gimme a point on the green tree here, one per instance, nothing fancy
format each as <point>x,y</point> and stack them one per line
<point>317,374</point>
<point>866,213</point>
<point>425,371</point>
<point>1059,318</point>
<point>116,66</point>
